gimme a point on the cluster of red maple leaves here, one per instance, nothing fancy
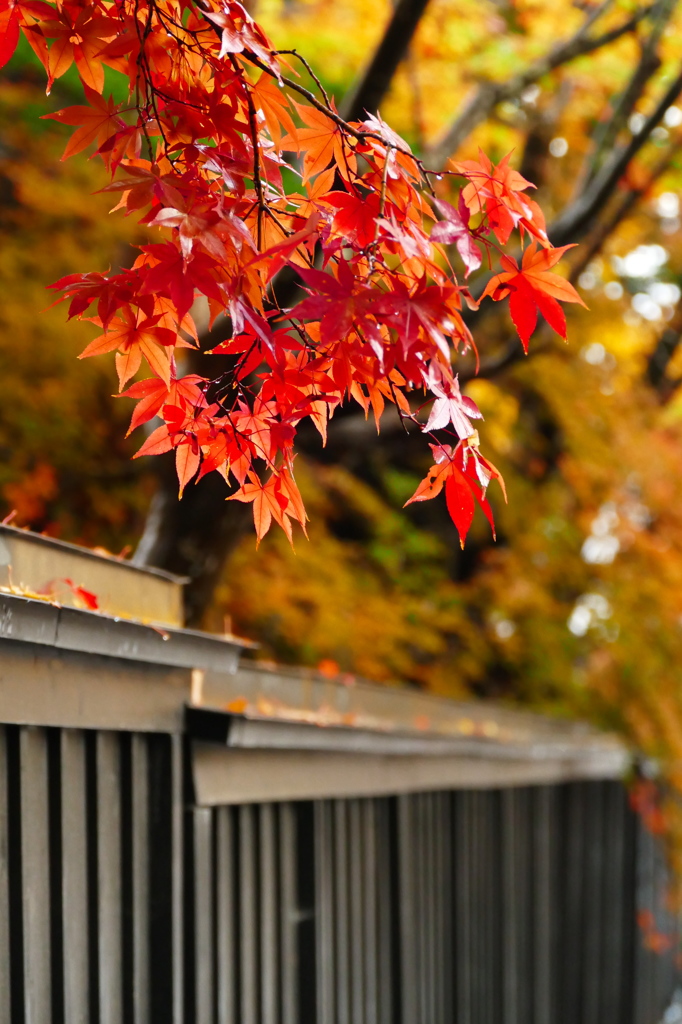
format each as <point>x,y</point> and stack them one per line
<point>243,171</point>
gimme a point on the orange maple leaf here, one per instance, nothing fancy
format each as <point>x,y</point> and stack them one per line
<point>496,190</point>
<point>187,459</point>
<point>77,35</point>
<point>98,121</point>
<point>275,107</point>
<point>278,498</point>
<point>321,143</point>
<point>133,338</point>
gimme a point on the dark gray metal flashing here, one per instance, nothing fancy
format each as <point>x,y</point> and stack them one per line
<point>70,629</point>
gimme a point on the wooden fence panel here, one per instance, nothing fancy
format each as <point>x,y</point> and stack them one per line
<point>515,906</point>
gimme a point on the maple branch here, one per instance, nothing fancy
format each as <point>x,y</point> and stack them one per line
<point>382,205</point>
<point>306,65</point>
<point>358,133</point>
<point>512,353</point>
<point>253,131</point>
<point>366,95</point>
<point>606,227</point>
<point>490,94</point>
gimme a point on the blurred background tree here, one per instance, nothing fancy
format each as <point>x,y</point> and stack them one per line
<point>578,606</point>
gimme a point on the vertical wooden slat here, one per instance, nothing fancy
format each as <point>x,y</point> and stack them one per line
<point>463,910</point>
<point>448,912</point>
<point>408,967</point>
<point>324,910</point>
<point>342,914</point>
<point>167,938</point>
<point>109,878</point>
<point>616,833</point>
<point>177,805</point>
<point>248,916</point>
<point>526,896</point>
<point>422,907</point>
<point>35,875</point>
<point>369,864</point>
<point>440,890</point>
<point>542,903</point>
<point>225,907</point>
<point>573,905</point>
<point>479,968</point>
<point>430,868</point>
<point>357,949</point>
<point>203,914</point>
<point>305,888</point>
<point>4,888</point>
<point>140,880</point>
<point>484,965</point>
<point>74,877</point>
<point>289,914</point>
<point>269,959</point>
<point>385,878</point>
<point>593,840</point>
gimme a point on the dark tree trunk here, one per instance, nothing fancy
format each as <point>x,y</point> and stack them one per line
<point>193,536</point>
<point>372,86</point>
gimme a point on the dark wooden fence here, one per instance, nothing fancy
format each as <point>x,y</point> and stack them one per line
<point>133,892</point>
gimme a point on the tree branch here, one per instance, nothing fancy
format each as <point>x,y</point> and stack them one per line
<point>371,88</point>
<point>575,220</point>
<point>489,94</point>
<point>607,132</point>
<point>606,227</point>
<point>659,360</point>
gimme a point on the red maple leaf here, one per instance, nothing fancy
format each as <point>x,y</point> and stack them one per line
<point>454,229</point>
<point>133,336</point>
<point>340,303</point>
<point>533,289</point>
<point>79,34</point>
<point>465,476</point>
<point>9,30</point>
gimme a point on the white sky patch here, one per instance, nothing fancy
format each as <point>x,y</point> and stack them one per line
<point>589,610</point>
<point>642,262</point>
<point>594,354</point>
<point>613,290</point>
<point>672,117</point>
<point>668,204</point>
<point>664,293</point>
<point>602,545</point>
<point>558,147</point>
<point>647,307</point>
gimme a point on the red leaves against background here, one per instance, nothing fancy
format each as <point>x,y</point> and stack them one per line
<point>465,474</point>
<point>198,153</point>
<point>532,289</point>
